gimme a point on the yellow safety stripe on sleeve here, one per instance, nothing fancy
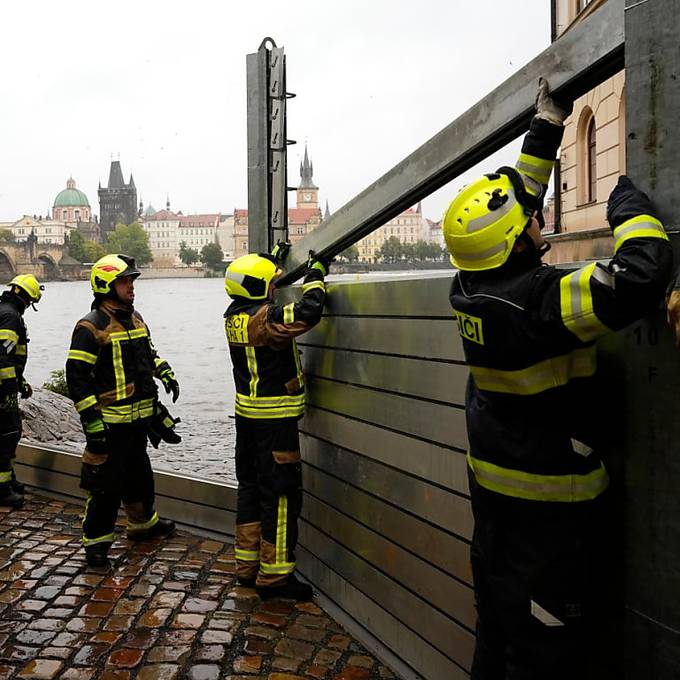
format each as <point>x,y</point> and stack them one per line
<point>168,422</point>
<point>86,403</point>
<point>8,373</point>
<point>131,527</point>
<point>541,376</point>
<point>5,477</point>
<point>80,355</point>
<point>289,313</point>
<point>127,413</point>
<point>94,426</point>
<point>21,350</point>
<point>118,370</point>
<point>576,304</point>
<point>642,226</point>
<point>252,369</point>
<point>134,334</point>
<point>533,487</point>
<point>313,284</point>
<point>7,334</point>
<point>247,555</point>
<point>158,361</point>
<point>538,169</point>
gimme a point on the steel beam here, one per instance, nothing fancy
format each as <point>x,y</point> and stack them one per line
<point>583,57</point>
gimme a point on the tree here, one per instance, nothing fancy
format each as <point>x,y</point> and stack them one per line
<point>408,252</point>
<point>212,255</point>
<point>132,240</point>
<point>6,236</point>
<point>76,246</point>
<point>421,250</point>
<point>188,255</point>
<point>350,254</point>
<point>391,250</point>
<point>92,251</point>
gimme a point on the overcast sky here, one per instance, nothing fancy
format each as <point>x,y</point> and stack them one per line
<point>163,84</point>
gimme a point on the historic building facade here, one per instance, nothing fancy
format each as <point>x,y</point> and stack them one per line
<point>117,201</point>
<point>44,231</point>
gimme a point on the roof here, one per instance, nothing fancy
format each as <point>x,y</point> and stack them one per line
<point>71,197</point>
<point>161,215</point>
<point>203,220</point>
<point>302,215</point>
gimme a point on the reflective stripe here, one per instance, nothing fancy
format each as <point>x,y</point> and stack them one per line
<point>581,448</point>
<point>281,522</point>
<point>119,372</point>
<point>168,422</point>
<point>86,403</point>
<point>108,538</point>
<point>247,555</point>
<point>284,406</point>
<point>80,355</point>
<point>21,350</point>
<point>131,528</point>
<point>128,413</point>
<point>544,375</point>
<point>474,257</point>
<point>8,373</point>
<point>274,412</point>
<point>313,284</point>
<point>537,168</point>
<point>158,361</point>
<point>94,426</point>
<point>493,215</point>
<point>298,365</point>
<point>289,313</point>
<point>642,226</point>
<point>7,334</point>
<point>5,477</point>
<point>282,568</point>
<point>134,334</point>
<point>533,487</point>
<point>576,304</point>
<point>605,277</point>
<point>544,616</point>
<point>252,369</point>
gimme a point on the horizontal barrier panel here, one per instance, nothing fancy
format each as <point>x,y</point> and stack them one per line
<point>427,503</point>
<point>431,339</point>
<point>409,377</point>
<point>427,542</point>
<point>427,420</point>
<point>443,641</point>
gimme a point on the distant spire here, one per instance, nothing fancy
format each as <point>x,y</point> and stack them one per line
<point>116,180</point>
<point>132,181</point>
<point>306,173</point>
<point>327,213</point>
<point>70,183</point>
<point>167,202</point>
<point>419,209</point>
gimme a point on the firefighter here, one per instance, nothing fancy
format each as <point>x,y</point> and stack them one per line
<point>110,374</point>
<point>269,402</point>
<point>533,409</point>
<point>24,290</point>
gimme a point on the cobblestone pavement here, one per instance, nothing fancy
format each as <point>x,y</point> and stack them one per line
<point>167,610</point>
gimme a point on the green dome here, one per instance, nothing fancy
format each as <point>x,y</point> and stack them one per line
<point>71,197</point>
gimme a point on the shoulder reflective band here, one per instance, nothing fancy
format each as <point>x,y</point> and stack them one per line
<point>642,226</point>
<point>8,373</point>
<point>542,376</point>
<point>80,355</point>
<point>86,403</point>
<point>558,488</point>
<point>289,313</point>
<point>576,305</point>
<point>312,285</point>
<point>538,169</point>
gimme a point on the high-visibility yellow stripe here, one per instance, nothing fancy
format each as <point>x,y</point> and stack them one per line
<point>80,355</point>
<point>576,303</point>
<point>131,527</point>
<point>21,350</point>
<point>7,334</point>
<point>282,568</point>
<point>118,370</point>
<point>129,335</point>
<point>298,365</point>
<point>287,400</point>
<point>247,555</point>
<point>94,426</point>
<point>313,284</point>
<point>106,538</point>
<point>544,375</point>
<point>8,373</point>
<point>127,413</point>
<point>5,477</point>
<point>282,412</point>
<point>252,369</point>
<point>281,523</point>
<point>537,168</point>
<point>86,403</point>
<point>642,226</point>
<point>289,313</point>
<point>533,487</point>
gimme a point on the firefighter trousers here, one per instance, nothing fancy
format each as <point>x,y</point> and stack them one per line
<point>10,434</point>
<point>543,587</point>
<point>125,476</point>
<point>269,498</point>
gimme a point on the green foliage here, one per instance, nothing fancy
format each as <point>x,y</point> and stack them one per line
<point>391,250</point>
<point>92,251</point>
<point>350,254</point>
<point>6,236</point>
<point>76,245</point>
<point>132,240</point>
<point>212,255</point>
<point>188,256</point>
<point>57,382</point>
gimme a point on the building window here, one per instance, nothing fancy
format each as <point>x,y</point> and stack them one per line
<point>591,156</point>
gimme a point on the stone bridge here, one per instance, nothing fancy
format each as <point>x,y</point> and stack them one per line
<point>45,260</point>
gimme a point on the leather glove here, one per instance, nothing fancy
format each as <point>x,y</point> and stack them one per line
<point>549,109</point>
<point>26,390</point>
<point>95,437</point>
<point>319,262</point>
<point>626,201</point>
<point>167,377</point>
<point>280,250</point>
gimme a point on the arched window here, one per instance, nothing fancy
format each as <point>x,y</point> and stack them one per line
<point>591,162</point>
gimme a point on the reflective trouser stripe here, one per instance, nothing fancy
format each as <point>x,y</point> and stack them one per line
<point>106,538</point>
<point>247,555</point>
<point>642,226</point>
<point>252,369</point>
<point>5,477</point>
<point>538,169</point>
<point>281,566</point>
<point>144,525</point>
<point>86,403</point>
<point>561,488</point>
<point>576,305</point>
<point>544,375</point>
<point>80,355</point>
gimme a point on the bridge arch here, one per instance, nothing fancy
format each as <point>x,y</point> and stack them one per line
<point>7,267</point>
<point>50,269</point>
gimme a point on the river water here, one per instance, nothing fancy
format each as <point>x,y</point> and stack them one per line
<point>185,318</point>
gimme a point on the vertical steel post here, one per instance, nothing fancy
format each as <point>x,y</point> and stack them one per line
<point>651,424</point>
<point>278,148</point>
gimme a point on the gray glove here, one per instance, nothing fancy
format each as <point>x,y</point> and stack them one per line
<point>547,108</point>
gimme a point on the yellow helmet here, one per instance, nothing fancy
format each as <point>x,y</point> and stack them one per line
<point>485,219</point>
<point>30,285</point>
<point>109,268</point>
<point>250,276</point>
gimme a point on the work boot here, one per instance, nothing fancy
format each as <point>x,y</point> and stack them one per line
<point>163,527</point>
<point>10,498</point>
<point>246,582</point>
<point>16,485</point>
<point>292,589</point>
<point>97,555</point>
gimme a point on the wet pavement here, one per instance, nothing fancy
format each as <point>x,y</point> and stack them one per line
<point>167,610</point>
